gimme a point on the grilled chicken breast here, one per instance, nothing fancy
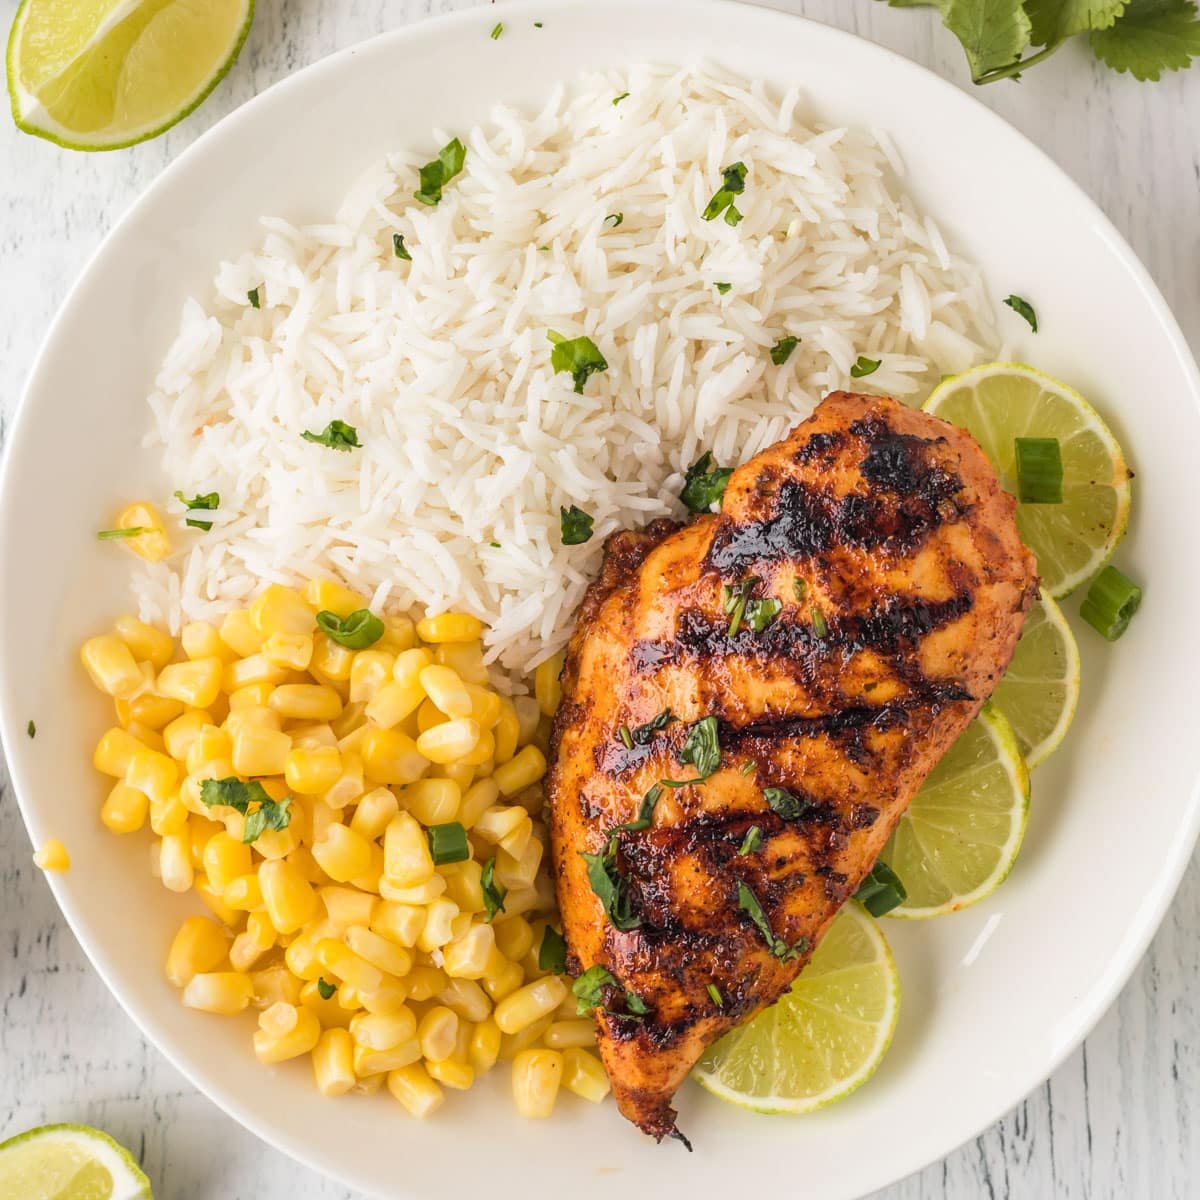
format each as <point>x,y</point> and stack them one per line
<point>900,588</point>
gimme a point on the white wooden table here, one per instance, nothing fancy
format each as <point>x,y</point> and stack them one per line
<point>1117,1120</point>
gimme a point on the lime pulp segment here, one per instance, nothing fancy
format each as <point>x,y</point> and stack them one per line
<point>69,1162</point>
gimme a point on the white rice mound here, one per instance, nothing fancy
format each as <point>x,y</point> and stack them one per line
<point>470,442</point>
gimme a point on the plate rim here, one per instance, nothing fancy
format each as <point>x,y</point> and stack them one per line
<point>1145,923</point>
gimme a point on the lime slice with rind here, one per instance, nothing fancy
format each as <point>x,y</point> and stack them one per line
<point>1040,689</point>
<point>824,1037</point>
<point>101,74</point>
<point>961,834</point>
<point>69,1162</point>
<point>1000,402</point>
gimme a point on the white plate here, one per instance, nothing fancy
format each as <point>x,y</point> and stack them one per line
<point>995,997</point>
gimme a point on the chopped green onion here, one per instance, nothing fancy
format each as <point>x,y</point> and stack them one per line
<point>576,525</point>
<point>881,890</point>
<point>399,249</point>
<point>820,627</point>
<point>748,767</point>
<point>1110,603</point>
<point>552,954</point>
<point>800,588</point>
<point>613,220</point>
<point>359,630</point>
<point>253,297</point>
<point>625,736</point>
<point>617,99</point>
<point>108,535</point>
<point>325,989</point>
<point>208,501</point>
<point>448,843</point>
<point>580,356</point>
<point>337,435</point>
<point>1024,309</point>
<point>31,729</point>
<point>734,599</point>
<point>704,485</point>
<point>715,993</point>
<point>1039,470</point>
<point>760,613</point>
<point>865,366</point>
<point>782,350</point>
<point>752,840</point>
<point>493,893</point>
<point>537,24</point>
<point>733,183</point>
<point>785,804</point>
<point>497,30</point>
<point>722,288</point>
<point>436,174</point>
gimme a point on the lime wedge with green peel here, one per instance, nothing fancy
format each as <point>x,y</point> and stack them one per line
<point>961,834</point>
<point>823,1038</point>
<point>1040,689</point>
<point>69,1162</point>
<point>100,74</point>
<point>1001,402</point>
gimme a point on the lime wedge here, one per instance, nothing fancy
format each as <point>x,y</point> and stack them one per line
<point>100,74</point>
<point>1040,689</point>
<point>69,1162</point>
<point>823,1038</point>
<point>1000,402</point>
<point>961,834</point>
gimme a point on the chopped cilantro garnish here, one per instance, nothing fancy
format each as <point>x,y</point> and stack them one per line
<point>337,435</point>
<point>436,174</point>
<point>576,525</point>
<point>580,356</point>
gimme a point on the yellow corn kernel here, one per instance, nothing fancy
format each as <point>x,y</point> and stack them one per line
<point>506,732</point>
<point>563,1034</point>
<point>200,945</point>
<point>278,609</point>
<point>449,627</point>
<point>324,595</point>
<point>385,1001</point>
<point>428,715</point>
<point>255,697</point>
<point>224,860</point>
<point>349,785</point>
<point>252,716</point>
<point>422,893</point>
<point>450,740</point>
<point>467,957</point>
<point>546,686</point>
<point>195,683</point>
<point>376,1032</point>
<point>201,640</point>
<point>379,951</point>
<point>369,672</point>
<point>584,1075</point>
<point>485,747</point>
<point>399,633</point>
<point>342,854</point>
<point>389,756</point>
<point>243,893</point>
<point>348,906</point>
<point>330,662</point>
<point>175,863</point>
<point>213,901</point>
<point>424,982</point>
<point>152,543</point>
<point>157,775</point>
<point>466,998</point>
<point>524,769</point>
<point>460,925</point>
<point>210,745</point>
<point>399,923</point>
<point>511,1044</point>
<point>529,715</point>
<point>146,735</point>
<point>536,1075</point>
<point>244,672</point>
<point>414,1089</point>
<point>439,916</point>
<point>180,733</point>
<point>514,937</point>
<point>368,1085</point>
<point>451,1073</point>
<point>437,1033</point>
<point>372,1062</point>
<point>291,650</point>
<point>112,667</point>
<point>274,983</point>
<point>501,822</point>
<point>464,657</point>
<point>306,702</point>
<point>224,992</point>
<point>238,632</point>
<point>374,813</point>
<point>312,770</point>
<point>485,1045</point>
<point>464,885</point>
<point>502,978</point>
<point>392,702</point>
<point>447,691</point>
<point>258,751</point>
<point>432,801</point>
<point>145,643</point>
<point>301,953</point>
<point>124,809</point>
<point>302,1037</point>
<point>529,1004</point>
<point>407,668</point>
<point>407,861</point>
<point>333,1062</point>
<point>337,958</point>
<point>486,705</point>
<point>520,871</point>
<point>289,897</point>
<point>317,736</point>
<point>148,709</point>
<point>253,942</point>
<point>477,800</point>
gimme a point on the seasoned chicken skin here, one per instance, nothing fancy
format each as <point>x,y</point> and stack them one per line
<point>902,588</point>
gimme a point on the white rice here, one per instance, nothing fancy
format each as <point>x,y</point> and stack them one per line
<point>470,443</point>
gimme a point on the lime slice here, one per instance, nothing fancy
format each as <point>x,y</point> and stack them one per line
<point>69,1162</point>
<point>100,74</point>
<point>1003,401</point>
<point>960,836</point>
<point>823,1038</point>
<point>1041,686</point>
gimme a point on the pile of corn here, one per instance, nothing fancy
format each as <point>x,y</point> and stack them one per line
<point>406,802</point>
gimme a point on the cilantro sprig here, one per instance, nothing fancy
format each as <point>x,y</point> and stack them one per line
<point>1004,38</point>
